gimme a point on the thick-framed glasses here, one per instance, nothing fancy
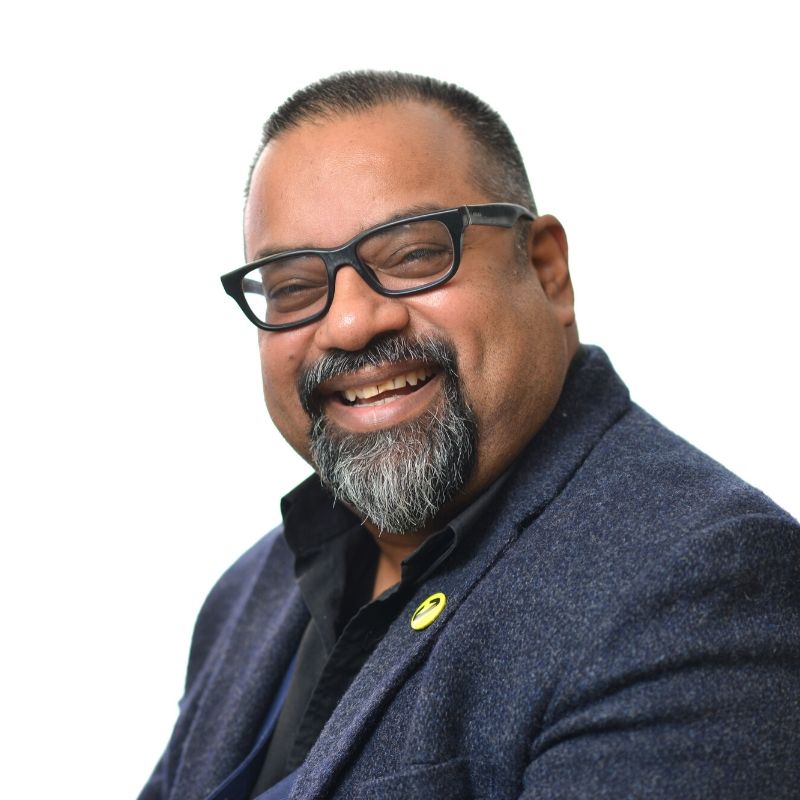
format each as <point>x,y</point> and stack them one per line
<point>395,259</point>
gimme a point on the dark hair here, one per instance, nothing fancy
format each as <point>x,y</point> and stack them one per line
<point>498,169</point>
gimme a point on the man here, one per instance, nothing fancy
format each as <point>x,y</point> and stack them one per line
<point>504,579</point>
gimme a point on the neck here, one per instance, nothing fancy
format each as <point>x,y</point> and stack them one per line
<point>393,548</point>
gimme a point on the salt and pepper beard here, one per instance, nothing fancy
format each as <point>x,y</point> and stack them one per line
<point>398,478</point>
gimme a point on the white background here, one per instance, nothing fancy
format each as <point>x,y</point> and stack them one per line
<point>137,460</point>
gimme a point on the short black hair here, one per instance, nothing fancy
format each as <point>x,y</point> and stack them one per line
<point>499,170</point>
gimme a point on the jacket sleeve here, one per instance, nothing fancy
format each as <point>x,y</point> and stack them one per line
<point>220,609</point>
<point>693,689</point>
<point>155,788</point>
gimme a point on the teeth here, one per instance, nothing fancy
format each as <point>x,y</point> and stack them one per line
<point>366,392</point>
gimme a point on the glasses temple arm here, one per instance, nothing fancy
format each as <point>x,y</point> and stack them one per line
<point>251,286</point>
<point>503,216</point>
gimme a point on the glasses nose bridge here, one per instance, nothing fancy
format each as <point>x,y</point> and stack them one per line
<point>347,256</point>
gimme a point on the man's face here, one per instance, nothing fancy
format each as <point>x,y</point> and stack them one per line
<point>322,183</point>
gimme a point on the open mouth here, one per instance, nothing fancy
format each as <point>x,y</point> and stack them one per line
<point>386,391</point>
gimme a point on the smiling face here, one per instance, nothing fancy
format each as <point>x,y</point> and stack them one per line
<point>508,320</point>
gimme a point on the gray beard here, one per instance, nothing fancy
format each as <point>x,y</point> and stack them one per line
<point>398,478</point>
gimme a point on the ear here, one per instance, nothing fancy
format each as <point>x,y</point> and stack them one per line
<point>548,253</point>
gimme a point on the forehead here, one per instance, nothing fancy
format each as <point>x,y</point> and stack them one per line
<point>321,183</point>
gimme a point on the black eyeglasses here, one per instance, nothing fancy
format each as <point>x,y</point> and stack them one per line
<point>398,258</point>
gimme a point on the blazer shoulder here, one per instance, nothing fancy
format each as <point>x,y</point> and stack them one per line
<point>648,469</point>
<point>227,598</point>
<point>643,513</point>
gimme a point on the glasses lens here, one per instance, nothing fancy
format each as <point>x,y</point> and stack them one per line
<point>408,255</point>
<point>288,290</point>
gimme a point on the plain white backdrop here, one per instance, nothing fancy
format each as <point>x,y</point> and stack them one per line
<point>137,459</point>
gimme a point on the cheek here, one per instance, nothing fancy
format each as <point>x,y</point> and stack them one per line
<point>492,321</point>
<point>513,361</point>
<point>281,363</point>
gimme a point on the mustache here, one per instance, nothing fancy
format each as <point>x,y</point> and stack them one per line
<point>385,349</point>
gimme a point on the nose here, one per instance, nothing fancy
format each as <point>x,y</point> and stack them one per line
<point>358,314</point>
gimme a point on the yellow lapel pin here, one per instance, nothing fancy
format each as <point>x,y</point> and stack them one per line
<point>427,611</point>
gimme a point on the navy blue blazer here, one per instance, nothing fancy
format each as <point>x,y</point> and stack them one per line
<point>626,624</point>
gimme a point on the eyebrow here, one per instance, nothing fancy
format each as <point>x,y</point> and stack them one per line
<point>403,213</point>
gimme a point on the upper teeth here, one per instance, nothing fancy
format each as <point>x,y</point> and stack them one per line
<point>365,392</point>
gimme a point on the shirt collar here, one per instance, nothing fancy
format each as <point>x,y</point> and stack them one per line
<point>313,521</point>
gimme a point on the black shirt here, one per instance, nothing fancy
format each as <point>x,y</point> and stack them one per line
<point>335,561</point>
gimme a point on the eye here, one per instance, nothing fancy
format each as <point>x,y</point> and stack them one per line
<point>410,251</point>
<point>418,259</point>
<point>417,252</point>
<point>294,293</point>
<point>293,283</point>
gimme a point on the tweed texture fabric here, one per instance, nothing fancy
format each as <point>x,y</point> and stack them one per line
<point>625,624</point>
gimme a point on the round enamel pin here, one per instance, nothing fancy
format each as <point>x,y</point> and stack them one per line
<point>427,611</point>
